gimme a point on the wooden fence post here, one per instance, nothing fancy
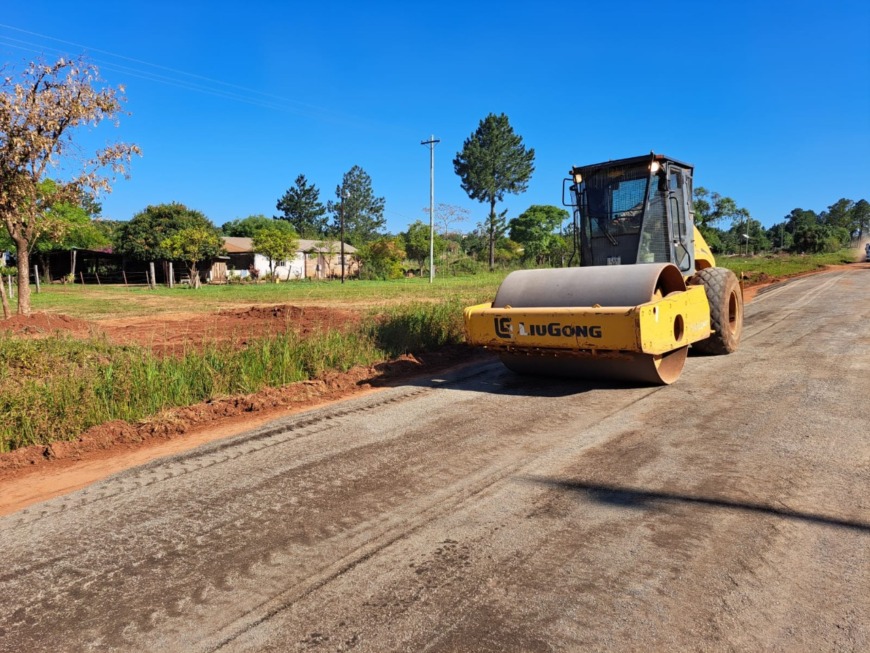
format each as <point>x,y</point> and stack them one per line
<point>82,277</point>
<point>36,276</point>
<point>124,274</point>
<point>153,283</point>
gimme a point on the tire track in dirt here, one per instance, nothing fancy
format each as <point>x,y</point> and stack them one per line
<point>217,454</point>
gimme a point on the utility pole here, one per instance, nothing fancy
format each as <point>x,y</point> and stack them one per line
<point>431,143</point>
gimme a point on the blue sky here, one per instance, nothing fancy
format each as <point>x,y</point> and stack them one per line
<point>230,101</point>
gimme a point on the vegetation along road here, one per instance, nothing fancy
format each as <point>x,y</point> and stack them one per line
<point>484,511</point>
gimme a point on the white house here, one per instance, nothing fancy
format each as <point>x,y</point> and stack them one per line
<point>314,259</point>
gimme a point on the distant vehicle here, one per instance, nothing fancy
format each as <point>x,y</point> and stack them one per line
<point>867,252</point>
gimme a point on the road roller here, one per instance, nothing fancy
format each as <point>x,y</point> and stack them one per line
<point>646,289</point>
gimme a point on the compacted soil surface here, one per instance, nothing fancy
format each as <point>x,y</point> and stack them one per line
<point>479,510</point>
<point>112,447</point>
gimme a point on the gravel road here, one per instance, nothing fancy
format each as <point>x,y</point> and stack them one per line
<point>482,511</point>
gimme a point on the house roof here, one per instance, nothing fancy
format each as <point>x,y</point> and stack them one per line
<point>238,245</point>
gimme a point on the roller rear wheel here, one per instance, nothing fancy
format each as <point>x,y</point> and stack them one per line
<point>726,310</point>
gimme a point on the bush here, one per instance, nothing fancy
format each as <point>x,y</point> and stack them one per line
<point>417,327</point>
<point>465,267</point>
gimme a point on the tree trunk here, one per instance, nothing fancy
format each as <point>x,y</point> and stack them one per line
<point>43,266</point>
<point>6,312</point>
<point>492,236</point>
<point>23,280</point>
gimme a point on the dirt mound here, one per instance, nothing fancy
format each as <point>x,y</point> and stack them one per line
<point>176,333</point>
<point>46,324</point>
<point>287,316</point>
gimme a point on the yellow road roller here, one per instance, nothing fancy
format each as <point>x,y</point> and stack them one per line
<point>646,289</point>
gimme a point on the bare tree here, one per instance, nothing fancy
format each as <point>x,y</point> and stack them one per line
<point>40,113</point>
<point>446,215</point>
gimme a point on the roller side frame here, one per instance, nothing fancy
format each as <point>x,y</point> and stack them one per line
<point>656,327</point>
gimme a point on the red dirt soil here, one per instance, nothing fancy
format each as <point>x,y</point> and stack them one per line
<point>175,333</point>
<point>37,473</point>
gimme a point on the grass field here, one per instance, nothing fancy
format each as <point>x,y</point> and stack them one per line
<point>98,302</point>
<point>783,265</point>
<point>55,387</point>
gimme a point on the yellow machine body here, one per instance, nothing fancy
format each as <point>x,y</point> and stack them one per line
<point>656,327</point>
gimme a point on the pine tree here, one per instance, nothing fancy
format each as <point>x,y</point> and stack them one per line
<point>494,161</point>
<point>357,206</point>
<point>301,207</point>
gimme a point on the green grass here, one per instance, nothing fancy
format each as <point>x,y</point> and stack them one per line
<point>782,265</point>
<point>101,302</point>
<point>55,388</point>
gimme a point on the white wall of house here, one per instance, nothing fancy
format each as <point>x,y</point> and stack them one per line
<point>322,263</point>
<point>285,270</point>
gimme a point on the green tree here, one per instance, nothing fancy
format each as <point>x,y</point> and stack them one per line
<point>493,161</point>
<point>382,259</point>
<point>779,236</point>
<point>248,227</point>
<point>276,244</point>
<point>357,206</point>
<point>475,244</point>
<point>40,111</point>
<point>67,225</point>
<point>861,217</point>
<point>711,208</point>
<point>839,214</point>
<point>417,242</point>
<point>192,245</point>
<point>301,207</point>
<point>820,237</point>
<point>73,229</point>
<point>142,237</point>
<point>799,218</point>
<point>748,236</point>
<point>537,230</point>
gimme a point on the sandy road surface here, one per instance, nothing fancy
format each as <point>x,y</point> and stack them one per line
<point>485,512</point>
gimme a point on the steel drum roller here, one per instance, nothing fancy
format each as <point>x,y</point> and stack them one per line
<point>605,286</point>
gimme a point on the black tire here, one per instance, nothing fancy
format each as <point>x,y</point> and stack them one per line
<point>726,310</point>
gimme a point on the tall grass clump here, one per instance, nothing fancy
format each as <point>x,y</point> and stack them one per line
<point>417,327</point>
<point>55,388</point>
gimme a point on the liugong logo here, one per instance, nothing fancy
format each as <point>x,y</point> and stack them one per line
<point>504,329</point>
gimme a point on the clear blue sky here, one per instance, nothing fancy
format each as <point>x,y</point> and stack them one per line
<point>230,101</point>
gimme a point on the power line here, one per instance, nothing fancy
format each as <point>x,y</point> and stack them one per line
<point>186,80</point>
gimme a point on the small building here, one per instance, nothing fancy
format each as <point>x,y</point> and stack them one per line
<point>314,259</point>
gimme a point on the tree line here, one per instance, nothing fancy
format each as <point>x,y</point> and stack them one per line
<point>802,231</point>
<point>42,109</point>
